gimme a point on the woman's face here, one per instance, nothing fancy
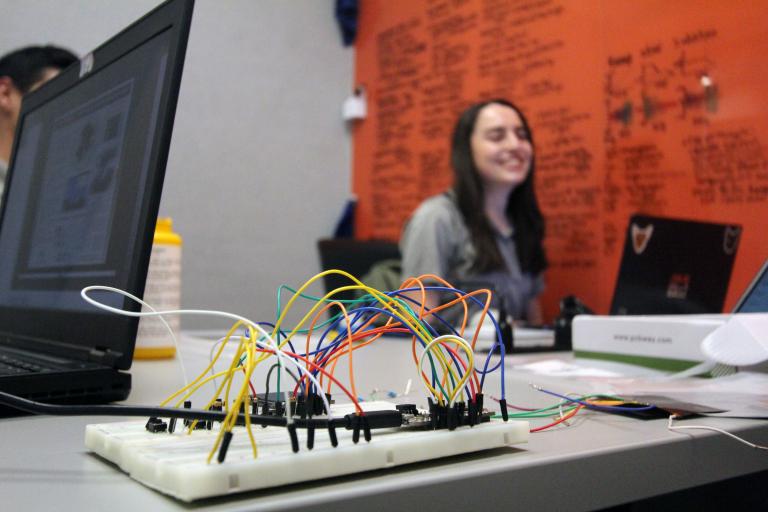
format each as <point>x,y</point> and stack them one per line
<point>501,147</point>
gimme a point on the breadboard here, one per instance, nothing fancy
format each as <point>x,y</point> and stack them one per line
<point>175,464</point>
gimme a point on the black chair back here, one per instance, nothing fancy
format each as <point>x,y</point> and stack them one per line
<point>353,256</point>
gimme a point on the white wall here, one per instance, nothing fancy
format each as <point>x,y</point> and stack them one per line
<point>259,166</point>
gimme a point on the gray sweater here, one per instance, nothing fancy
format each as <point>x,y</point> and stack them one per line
<point>436,241</point>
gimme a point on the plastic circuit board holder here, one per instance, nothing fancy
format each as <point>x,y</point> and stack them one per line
<point>175,464</point>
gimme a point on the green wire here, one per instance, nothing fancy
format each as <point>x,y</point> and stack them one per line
<point>368,297</point>
<point>312,298</point>
<point>545,412</point>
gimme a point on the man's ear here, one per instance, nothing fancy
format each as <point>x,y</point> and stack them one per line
<point>7,90</point>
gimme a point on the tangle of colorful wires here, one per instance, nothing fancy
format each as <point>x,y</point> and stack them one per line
<point>332,330</point>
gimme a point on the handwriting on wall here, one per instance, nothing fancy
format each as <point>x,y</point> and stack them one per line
<point>664,117</point>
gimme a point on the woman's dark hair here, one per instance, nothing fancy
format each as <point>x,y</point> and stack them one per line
<point>522,208</point>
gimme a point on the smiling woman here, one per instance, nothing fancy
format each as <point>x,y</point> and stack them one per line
<point>487,229</point>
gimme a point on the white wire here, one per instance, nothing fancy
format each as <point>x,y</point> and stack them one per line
<point>153,310</point>
<point>210,359</point>
<point>718,430</point>
<point>449,337</point>
<point>271,345</point>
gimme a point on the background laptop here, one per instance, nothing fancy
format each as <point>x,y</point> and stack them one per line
<point>672,266</point>
<point>79,208</point>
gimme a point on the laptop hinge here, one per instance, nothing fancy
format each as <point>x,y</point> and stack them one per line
<point>103,355</point>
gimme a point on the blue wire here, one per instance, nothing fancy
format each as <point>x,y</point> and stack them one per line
<point>597,407</point>
<point>356,314</point>
<point>361,313</point>
<point>477,301</point>
<point>433,331</point>
<point>498,343</point>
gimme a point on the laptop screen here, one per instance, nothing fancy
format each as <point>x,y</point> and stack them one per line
<point>79,174</point>
<point>84,185</point>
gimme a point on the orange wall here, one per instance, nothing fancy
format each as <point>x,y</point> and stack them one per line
<point>613,91</point>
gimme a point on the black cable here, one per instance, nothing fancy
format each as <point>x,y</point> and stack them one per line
<point>352,421</point>
<point>34,407</point>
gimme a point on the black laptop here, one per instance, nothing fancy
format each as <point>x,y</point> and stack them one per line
<point>79,208</point>
<point>674,266</point>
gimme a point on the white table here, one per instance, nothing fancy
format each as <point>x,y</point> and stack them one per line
<point>600,460</point>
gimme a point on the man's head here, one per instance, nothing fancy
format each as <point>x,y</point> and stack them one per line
<point>22,71</point>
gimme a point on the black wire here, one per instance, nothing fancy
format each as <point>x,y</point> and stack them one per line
<point>31,406</point>
<point>269,374</point>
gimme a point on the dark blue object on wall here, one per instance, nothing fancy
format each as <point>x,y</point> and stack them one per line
<point>346,14</point>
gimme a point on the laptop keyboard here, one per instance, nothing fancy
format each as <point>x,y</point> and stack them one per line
<point>10,365</point>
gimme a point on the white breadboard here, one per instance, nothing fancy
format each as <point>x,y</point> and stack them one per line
<point>175,464</point>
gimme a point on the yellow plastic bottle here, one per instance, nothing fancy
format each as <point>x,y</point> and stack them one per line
<point>163,292</point>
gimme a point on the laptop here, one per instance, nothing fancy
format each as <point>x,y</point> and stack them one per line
<point>79,208</point>
<point>674,266</point>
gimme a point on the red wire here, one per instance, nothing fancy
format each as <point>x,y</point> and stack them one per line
<point>564,418</point>
<point>515,407</point>
<point>250,385</point>
<point>313,365</point>
<point>363,334</point>
<point>342,347</point>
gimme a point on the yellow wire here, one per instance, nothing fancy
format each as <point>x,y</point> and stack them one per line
<point>228,381</point>
<point>208,368</point>
<point>396,307</point>
<point>441,358</point>
<point>437,342</point>
<point>231,419</point>
<point>382,298</point>
<point>399,311</point>
<point>250,367</point>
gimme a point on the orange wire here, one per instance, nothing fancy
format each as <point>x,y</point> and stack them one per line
<point>333,357</point>
<point>318,368</point>
<point>564,418</point>
<point>330,361</point>
<point>349,342</point>
<point>317,356</point>
<point>460,298</point>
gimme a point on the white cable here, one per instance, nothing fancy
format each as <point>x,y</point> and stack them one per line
<point>456,339</point>
<point>271,345</point>
<point>718,430</point>
<point>210,359</point>
<point>701,368</point>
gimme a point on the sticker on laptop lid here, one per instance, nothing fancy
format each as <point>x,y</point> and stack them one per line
<point>731,239</point>
<point>640,237</point>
